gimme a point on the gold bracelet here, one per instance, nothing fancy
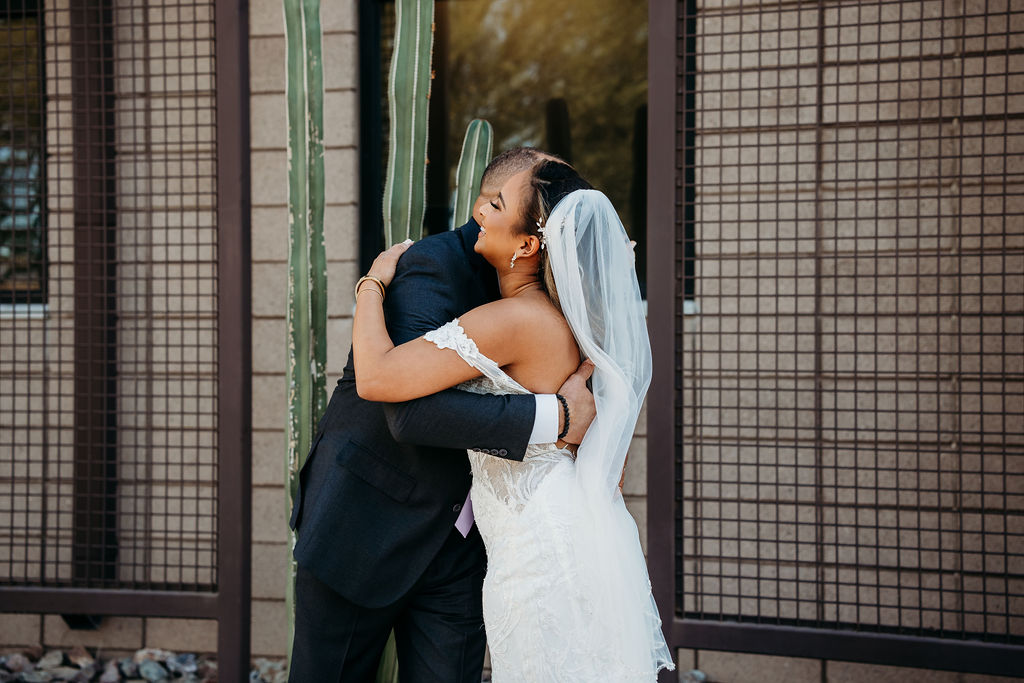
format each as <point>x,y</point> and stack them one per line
<point>370,278</point>
<point>374,290</point>
<point>374,287</point>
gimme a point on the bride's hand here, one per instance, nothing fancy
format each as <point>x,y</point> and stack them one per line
<point>384,265</point>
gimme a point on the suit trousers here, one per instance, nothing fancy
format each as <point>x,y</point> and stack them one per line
<point>438,624</point>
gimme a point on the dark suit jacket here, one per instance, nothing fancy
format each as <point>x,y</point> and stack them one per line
<point>373,508</point>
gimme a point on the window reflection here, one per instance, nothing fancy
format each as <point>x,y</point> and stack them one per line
<point>568,76</point>
<point>21,136</point>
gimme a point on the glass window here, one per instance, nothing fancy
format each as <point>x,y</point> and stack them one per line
<point>569,77</point>
<point>22,267</point>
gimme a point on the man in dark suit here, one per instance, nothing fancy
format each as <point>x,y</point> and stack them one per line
<point>385,533</point>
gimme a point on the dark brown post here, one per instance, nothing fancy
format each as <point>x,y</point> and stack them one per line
<point>234,390</point>
<point>663,290</point>
<point>94,542</point>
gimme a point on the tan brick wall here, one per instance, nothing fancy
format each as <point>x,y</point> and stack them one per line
<point>771,242</point>
<point>36,380</point>
<point>270,272</point>
<point>909,202</point>
<point>155,164</point>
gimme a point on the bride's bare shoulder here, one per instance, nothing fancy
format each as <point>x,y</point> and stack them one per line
<point>503,317</point>
<point>508,321</point>
<point>528,337</point>
<point>530,312</point>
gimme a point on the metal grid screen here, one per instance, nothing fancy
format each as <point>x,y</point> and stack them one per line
<point>108,333</point>
<point>852,382</point>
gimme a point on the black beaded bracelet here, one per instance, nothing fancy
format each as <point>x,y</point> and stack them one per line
<point>565,412</point>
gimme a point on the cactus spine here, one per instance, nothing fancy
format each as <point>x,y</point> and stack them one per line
<point>476,153</point>
<point>307,264</point>
<point>408,106</point>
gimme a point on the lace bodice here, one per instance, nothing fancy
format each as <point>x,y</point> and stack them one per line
<point>509,482</point>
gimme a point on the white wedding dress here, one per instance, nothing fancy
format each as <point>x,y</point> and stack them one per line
<point>544,622</point>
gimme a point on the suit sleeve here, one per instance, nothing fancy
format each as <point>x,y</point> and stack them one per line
<point>420,300</point>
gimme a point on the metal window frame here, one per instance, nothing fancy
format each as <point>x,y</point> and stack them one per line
<point>230,605</point>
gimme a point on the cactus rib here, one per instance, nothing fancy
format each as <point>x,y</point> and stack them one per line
<point>408,104</point>
<point>476,152</point>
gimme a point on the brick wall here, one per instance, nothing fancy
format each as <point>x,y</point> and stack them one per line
<point>135,82</point>
<point>760,246</point>
<point>852,384</point>
<point>270,273</point>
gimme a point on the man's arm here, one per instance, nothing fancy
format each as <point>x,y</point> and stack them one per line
<point>416,421</point>
<point>420,300</point>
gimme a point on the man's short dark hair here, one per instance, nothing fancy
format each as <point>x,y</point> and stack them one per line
<point>512,161</point>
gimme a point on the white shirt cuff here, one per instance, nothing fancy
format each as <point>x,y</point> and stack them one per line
<point>545,421</point>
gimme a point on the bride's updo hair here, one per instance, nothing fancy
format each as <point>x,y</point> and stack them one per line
<point>550,182</point>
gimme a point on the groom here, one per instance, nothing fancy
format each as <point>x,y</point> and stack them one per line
<point>386,538</point>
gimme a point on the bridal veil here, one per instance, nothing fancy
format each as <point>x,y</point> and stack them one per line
<point>592,263</point>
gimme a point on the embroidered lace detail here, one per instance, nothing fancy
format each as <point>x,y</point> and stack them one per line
<point>536,614</point>
<point>452,336</point>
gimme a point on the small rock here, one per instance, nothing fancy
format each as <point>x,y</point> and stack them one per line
<point>254,677</point>
<point>280,677</point>
<point>33,652</point>
<point>693,676</point>
<point>207,670</point>
<point>129,669</point>
<point>152,654</point>
<point>35,677</point>
<point>152,670</point>
<point>64,673</point>
<point>51,660</point>
<point>18,663</point>
<point>80,657</point>
<point>111,674</point>
<point>183,664</point>
<point>85,674</point>
<point>267,668</point>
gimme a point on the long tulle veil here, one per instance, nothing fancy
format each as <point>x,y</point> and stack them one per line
<point>592,263</point>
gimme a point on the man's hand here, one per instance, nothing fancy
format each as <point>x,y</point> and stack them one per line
<point>581,403</point>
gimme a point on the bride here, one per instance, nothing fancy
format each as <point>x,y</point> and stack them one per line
<point>566,596</point>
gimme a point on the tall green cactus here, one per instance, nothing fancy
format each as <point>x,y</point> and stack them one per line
<point>307,263</point>
<point>408,105</point>
<point>405,184</point>
<point>476,153</point>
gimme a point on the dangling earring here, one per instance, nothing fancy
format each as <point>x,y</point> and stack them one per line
<point>512,264</point>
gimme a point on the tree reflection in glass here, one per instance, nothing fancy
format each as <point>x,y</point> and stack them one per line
<point>567,76</point>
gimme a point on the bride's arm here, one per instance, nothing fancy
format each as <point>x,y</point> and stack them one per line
<point>388,373</point>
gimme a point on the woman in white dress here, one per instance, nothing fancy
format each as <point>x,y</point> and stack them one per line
<point>566,596</point>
